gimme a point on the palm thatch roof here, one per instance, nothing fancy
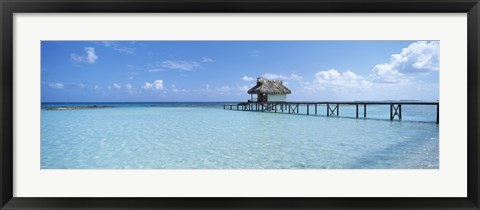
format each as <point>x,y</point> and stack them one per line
<point>265,86</point>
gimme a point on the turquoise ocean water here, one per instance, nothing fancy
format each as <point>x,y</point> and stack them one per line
<point>205,136</point>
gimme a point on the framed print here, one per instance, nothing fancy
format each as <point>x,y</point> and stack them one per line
<point>239,105</point>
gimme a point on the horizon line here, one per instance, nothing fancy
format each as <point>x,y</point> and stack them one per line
<point>224,101</point>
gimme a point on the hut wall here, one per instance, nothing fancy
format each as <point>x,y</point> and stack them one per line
<point>277,97</point>
<point>261,97</point>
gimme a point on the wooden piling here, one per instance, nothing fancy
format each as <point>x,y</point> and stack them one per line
<point>399,111</point>
<point>391,111</point>
<point>356,110</point>
<point>364,110</point>
<point>438,113</point>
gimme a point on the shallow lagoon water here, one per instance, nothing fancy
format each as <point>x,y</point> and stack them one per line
<point>204,136</point>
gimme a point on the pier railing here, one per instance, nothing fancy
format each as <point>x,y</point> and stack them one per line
<point>333,108</point>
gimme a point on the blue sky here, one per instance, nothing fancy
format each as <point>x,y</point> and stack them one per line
<point>151,71</point>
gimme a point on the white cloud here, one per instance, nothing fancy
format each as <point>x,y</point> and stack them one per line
<point>156,85</point>
<point>97,87</point>
<point>282,77</point>
<point>89,56</point>
<point>116,86</point>
<point>248,79</point>
<point>419,58</point>
<point>155,70</point>
<point>206,59</point>
<point>130,77</point>
<point>129,88</point>
<point>386,73</point>
<point>118,47</point>
<point>335,80</point>
<point>76,58</point>
<point>180,65</point>
<point>56,85</point>
<point>174,89</point>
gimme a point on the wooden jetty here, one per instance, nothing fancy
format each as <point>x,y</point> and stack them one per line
<point>333,108</point>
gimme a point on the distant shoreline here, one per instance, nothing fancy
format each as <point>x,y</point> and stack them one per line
<point>79,107</point>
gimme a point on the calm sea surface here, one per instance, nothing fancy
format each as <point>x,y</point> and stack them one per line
<point>205,136</point>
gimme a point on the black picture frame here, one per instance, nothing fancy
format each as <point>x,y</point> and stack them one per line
<point>10,7</point>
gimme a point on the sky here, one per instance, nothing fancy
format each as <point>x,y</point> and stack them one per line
<point>169,71</point>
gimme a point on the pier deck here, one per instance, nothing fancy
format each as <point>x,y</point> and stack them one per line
<point>332,107</point>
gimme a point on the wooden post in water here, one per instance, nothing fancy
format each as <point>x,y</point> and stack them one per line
<point>438,112</point>
<point>315,109</point>
<point>399,111</point>
<point>308,111</point>
<point>328,110</point>
<point>288,108</point>
<point>365,110</point>
<point>391,111</point>
<point>338,108</point>
<point>395,111</point>
<point>356,110</point>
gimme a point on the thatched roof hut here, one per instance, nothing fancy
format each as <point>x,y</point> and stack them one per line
<point>269,90</point>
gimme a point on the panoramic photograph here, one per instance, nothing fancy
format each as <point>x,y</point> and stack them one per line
<point>240,104</point>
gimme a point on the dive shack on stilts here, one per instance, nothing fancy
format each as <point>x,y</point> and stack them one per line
<point>269,91</point>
